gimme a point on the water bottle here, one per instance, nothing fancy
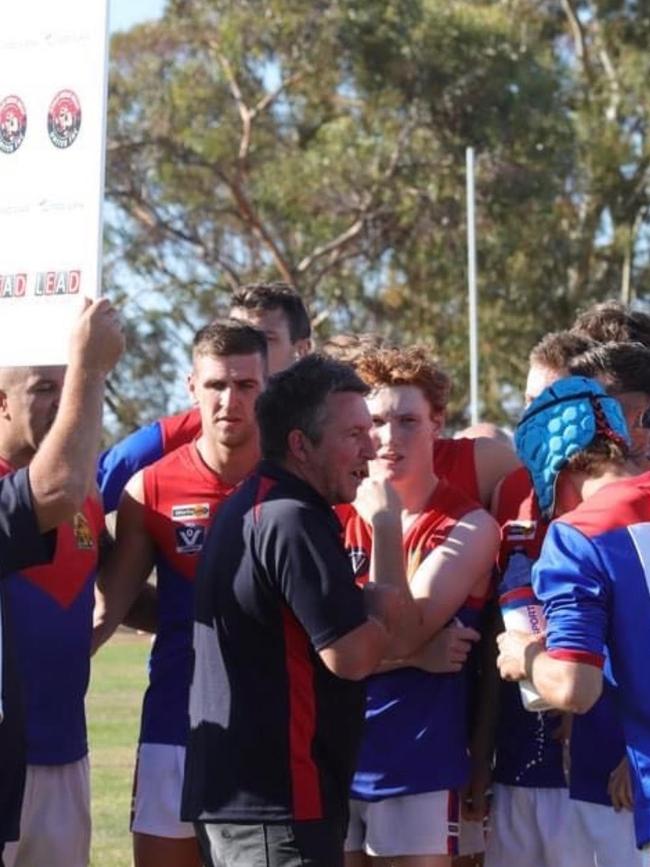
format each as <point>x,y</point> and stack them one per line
<point>522,611</point>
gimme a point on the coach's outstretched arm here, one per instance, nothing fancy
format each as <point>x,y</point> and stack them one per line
<point>63,470</point>
<point>358,653</point>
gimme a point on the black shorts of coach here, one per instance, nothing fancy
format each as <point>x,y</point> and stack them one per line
<point>298,844</point>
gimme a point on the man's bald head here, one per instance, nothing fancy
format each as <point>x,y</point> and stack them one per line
<point>29,399</point>
<point>13,376</point>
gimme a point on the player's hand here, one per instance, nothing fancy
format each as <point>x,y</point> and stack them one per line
<point>376,499</point>
<point>97,338</point>
<point>447,651</point>
<point>515,650</point>
<point>619,787</point>
<point>474,796</point>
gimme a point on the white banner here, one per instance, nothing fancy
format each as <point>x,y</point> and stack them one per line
<point>53,78</point>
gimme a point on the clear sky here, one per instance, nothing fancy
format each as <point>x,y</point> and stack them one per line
<point>125,13</point>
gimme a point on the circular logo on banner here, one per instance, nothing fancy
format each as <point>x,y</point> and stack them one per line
<point>13,123</point>
<point>64,119</point>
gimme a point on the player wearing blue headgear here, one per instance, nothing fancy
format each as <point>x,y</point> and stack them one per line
<point>590,821</point>
<point>593,575</point>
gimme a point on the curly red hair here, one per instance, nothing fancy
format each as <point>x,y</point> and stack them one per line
<point>412,366</point>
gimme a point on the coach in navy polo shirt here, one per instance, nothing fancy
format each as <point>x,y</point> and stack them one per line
<point>283,636</point>
<point>34,500</point>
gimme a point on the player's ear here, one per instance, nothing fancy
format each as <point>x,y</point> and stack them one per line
<point>191,385</point>
<point>4,403</point>
<point>302,347</point>
<point>438,420</point>
<point>297,445</point>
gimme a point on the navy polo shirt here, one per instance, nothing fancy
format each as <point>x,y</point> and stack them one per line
<point>21,545</point>
<point>274,734</point>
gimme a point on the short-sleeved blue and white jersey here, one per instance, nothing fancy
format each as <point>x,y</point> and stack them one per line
<point>593,577</point>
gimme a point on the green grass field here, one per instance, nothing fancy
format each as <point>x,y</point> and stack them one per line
<point>113,704</point>
<point>113,710</point>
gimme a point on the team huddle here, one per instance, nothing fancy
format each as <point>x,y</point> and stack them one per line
<point>330,680</point>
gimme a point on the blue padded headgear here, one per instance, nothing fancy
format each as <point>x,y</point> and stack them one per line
<point>565,419</point>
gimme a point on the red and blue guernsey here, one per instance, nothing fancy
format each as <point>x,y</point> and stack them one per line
<point>453,458</point>
<point>142,448</point>
<point>181,496</point>
<point>526,751</point>
<point>455,461</point>
<point>51,610</point>
<point>593,577</point>
<point>415,731</point>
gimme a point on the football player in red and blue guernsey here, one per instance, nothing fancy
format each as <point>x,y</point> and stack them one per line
<point>274,308</point>
<point>592,575</point>
<point>162,521</point>
<point>599,780</point>
<point>438,546</point>
<point>529,813</point>
<point>47,610</point>
<point>593,824</point>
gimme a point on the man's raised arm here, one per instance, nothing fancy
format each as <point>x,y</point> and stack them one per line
<point>63,470</point>
<point>124,574</point>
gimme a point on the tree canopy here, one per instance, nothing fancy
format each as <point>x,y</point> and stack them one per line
<point>323,143</point>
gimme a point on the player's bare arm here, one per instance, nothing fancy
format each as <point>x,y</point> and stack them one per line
<point>63,470</point>
<point>565,684</point>
<point>122,577</point>
<point>459,567</point>
<point>379,505</point>
<point>484,723</point>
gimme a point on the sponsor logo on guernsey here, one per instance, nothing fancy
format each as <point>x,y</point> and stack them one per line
<point>189,539</point>
<point>82,532</point>
<point>359,560</point>
<point>536,619</point>
<point>520,531</point>
<point>196,511</point>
